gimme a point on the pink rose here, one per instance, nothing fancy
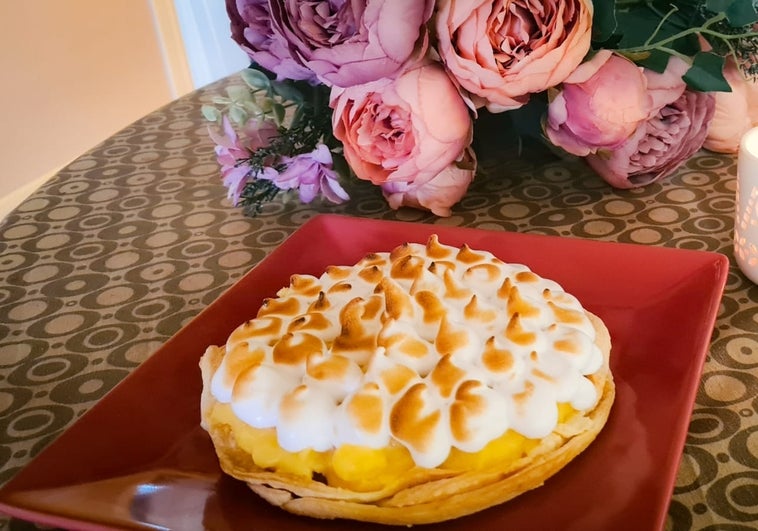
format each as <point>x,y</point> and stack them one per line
<point>736,111</point>
<point>438,194</point>
<point>675,130</point>
<point>667,86</point>
<point>404,130</point>
<point>501,52</point>
<point>588,115</point>
<point>351,43</point>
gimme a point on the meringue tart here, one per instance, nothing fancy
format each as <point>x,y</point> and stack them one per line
<point>412,387</point>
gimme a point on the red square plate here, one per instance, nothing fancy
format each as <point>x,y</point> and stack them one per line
<point>139,459</point>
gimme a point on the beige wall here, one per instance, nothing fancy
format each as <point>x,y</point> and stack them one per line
<point>73,73</point>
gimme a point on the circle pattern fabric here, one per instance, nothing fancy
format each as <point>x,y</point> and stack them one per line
<point>125,245</point>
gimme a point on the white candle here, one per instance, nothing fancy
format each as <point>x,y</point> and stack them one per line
<point>746,215</point>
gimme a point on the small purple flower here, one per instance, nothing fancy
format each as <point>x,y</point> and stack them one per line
<point>234,179</point>
<point>233,154</point>
<point>259,133</point>
<point>311,173</point>
<point>228,147</point>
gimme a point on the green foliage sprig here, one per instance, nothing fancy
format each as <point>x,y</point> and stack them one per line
<point>650,31</point>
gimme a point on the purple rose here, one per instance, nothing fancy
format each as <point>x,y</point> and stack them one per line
<point>352,43</point>
<point>676,129</point>
<point>659,146</point>
<point>250,23</point>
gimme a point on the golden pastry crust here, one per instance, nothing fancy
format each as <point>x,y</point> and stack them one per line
<point>422,495</point>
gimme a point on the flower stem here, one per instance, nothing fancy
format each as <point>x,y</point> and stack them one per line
<point>690,31</point>
<point>728,36</point>
<point>625,3</point>
<point>665,17</point>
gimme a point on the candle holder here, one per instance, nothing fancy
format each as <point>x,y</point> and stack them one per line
<point>746,214</point>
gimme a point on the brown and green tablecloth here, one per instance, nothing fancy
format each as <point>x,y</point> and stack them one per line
<point>126,244</point>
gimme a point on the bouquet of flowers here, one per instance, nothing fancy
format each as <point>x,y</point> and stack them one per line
<point>388,91</point>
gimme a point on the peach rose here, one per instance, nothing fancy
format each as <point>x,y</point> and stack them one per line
<point>438,194</point>
<point>736,111</point>
<point>405,130</point>
<point>503,51</point>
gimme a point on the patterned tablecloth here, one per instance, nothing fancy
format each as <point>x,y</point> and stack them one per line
<point>126,244</point>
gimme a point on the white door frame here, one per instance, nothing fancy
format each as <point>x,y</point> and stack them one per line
<point>197,44</point>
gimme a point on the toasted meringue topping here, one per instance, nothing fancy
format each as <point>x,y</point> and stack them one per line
<point>429,346</point>
<point>477,415</point>
<point>418,420</point>
<point>435,250</point>
<point>362,419</point>
<point>496,360</point>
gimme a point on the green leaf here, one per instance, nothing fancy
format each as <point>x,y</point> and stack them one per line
<point>238,93</point>
<point>529,117</point>
<point>279,112</point>
<point>706,73</point>
<point>604,22</point>
<point>237,115</point>
<point>266,104</point>
<point>256,79</point>
<point>298,116</point>
<point>251,107</point>
<point>341,166</point>
<point>656,61</point>
<point>210,113</point>
<point>717,6</point>
<point>688,45</point>
<point>742,13</point>
<point>738,12</point>
<point>287,91</point>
